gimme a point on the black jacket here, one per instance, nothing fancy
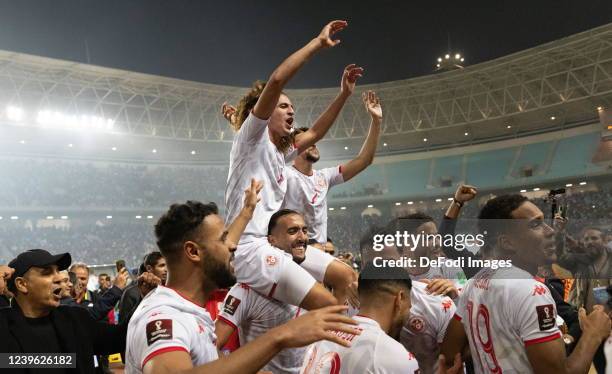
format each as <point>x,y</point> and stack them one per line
<point>129,302</point>
<point>100,305</point>
<point>77,333</point>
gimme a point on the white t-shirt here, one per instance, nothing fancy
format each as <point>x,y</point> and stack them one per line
<point>426,325</point>
<point>503,311</point>
<point>307,194</point>
<point>253,155</point>
<point>371,352</point>
<point>164,322</point>
<point>254,315</point>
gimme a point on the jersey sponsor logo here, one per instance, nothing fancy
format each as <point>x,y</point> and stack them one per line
<point>231,304</point>
<point>160,329</point>
<point>416,324</point>
<point>539,290</point>
<point>546,316</point>
<point>321,182</point>
<point>271,260</point>
<point>446,305</point>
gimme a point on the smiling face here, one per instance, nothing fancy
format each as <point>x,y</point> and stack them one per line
<point>281,120</point>
<point>40,288</point>
<point>291,235</point>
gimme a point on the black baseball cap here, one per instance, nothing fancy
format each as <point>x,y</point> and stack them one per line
<point>37,258</point>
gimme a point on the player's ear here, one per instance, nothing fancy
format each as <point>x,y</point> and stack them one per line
<point>191,250</point>
<point>271,240</point>
<point>505,243</point>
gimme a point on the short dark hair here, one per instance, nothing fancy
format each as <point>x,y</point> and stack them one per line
<point>278,215</point>
<point>104,275</point>
<point>330,240</point>
<point>152,258</point>
<point>409,223</point>
<point>373,279</point>
<point>498,208</point>
<point>178,224</point>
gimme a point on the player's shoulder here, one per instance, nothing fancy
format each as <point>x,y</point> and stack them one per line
<point>391,355</point>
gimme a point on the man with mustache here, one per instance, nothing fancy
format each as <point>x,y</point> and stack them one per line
<point>254,314</point>
<point>171,330</point>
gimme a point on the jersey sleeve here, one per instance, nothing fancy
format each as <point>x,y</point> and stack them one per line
<point>333,176</point>
<point>535,313</point>
<point>162,333</point>
<point>235,307</point>
<point>252,130</point>
<point>291,154</point>
<point>460,306</point>
<point>444,313</point>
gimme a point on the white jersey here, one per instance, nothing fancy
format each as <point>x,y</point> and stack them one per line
<point>307,194</point>
<point>426,325</point>
<point>164,322</point>
<point>254,315</point>
<point>503,311</point>
<point>372,352</point>
<point>452,273</point>
<point>608,354</point>
<point>253,155</point>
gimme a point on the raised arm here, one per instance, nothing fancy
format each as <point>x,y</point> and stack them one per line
<point>241,221</point>
<point>366,154</point>
<point>287,69</point>
<point>327,118</point>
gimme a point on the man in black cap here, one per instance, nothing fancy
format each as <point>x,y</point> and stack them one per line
<point>36,323</point>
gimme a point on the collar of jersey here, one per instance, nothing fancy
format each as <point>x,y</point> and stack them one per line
<point>182,296</point>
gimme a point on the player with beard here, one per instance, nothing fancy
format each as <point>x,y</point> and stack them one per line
<point>265,141</point>
<point>171,330</point>
<point>506,316</point>
<point>253,314</point>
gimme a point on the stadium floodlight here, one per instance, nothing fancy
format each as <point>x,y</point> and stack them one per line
<point>384,144</point>
<point>154,151</point>
<point>582,183</point>
<point>14,217</point>
<point>569,185</point>
<point>439,60</point>
<point>14,113</point>
<point>599,109</point>
<point>593,206</point>
<point>0,217</point>
<point>70,145</point>
<point>424,139</point>
<point>64,217</point>
<point>138,217</point>
<point>49,217</point>
<point>536,189</point>
<point>438,200</point>
<point>457,56</point>
<point>342,208</point>
<point>410,202</point>
<point>331,209</point>
<point>450,199</point>
<point>523,191</point>
<point>109,217</point>
<point>58,120</point>
<point>114,149</point>
<point>462,59</point>
<point>22,141</point>
<point>447,56</point>
<point>149,217</point>
<point>398,204</point>
<point>466,133</point>
<point>508,127</point>
<point>553,118</point>
<point>370,206</point>
<point>193,152</point>
<point>346,148</point>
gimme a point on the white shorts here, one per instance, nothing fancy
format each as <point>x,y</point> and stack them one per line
<point>271,272</point>
<point>316,262</point>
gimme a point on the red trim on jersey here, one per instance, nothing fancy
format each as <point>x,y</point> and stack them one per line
<point>160,351</point>
<point>543,340</point>
<point>539,279</point>
<point>184,297</point>
<point>271,293</point>
<point>458,318</point>
<point>221,318</point>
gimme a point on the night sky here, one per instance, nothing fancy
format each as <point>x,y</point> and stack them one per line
<point>234,42</point>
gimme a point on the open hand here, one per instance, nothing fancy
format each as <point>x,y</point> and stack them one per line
<point>325,37</point>
<point>372,105</point>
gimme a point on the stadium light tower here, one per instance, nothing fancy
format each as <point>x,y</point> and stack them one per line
<point>450,61</point>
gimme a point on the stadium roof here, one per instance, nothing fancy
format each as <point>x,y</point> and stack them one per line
<point>546,88</point>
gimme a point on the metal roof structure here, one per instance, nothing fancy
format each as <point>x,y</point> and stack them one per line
<point>549,87</point>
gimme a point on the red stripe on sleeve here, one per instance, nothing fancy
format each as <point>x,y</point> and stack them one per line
<point>221,318</point>
<point>544,339</point>
<point>457,317</point>
<point>160,351</point>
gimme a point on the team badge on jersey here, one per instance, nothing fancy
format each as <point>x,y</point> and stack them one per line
<point>160,329</point>
<point>231,304</point>
<point>271,260</point>
<point>416,324</point>
<point>546,316</point>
